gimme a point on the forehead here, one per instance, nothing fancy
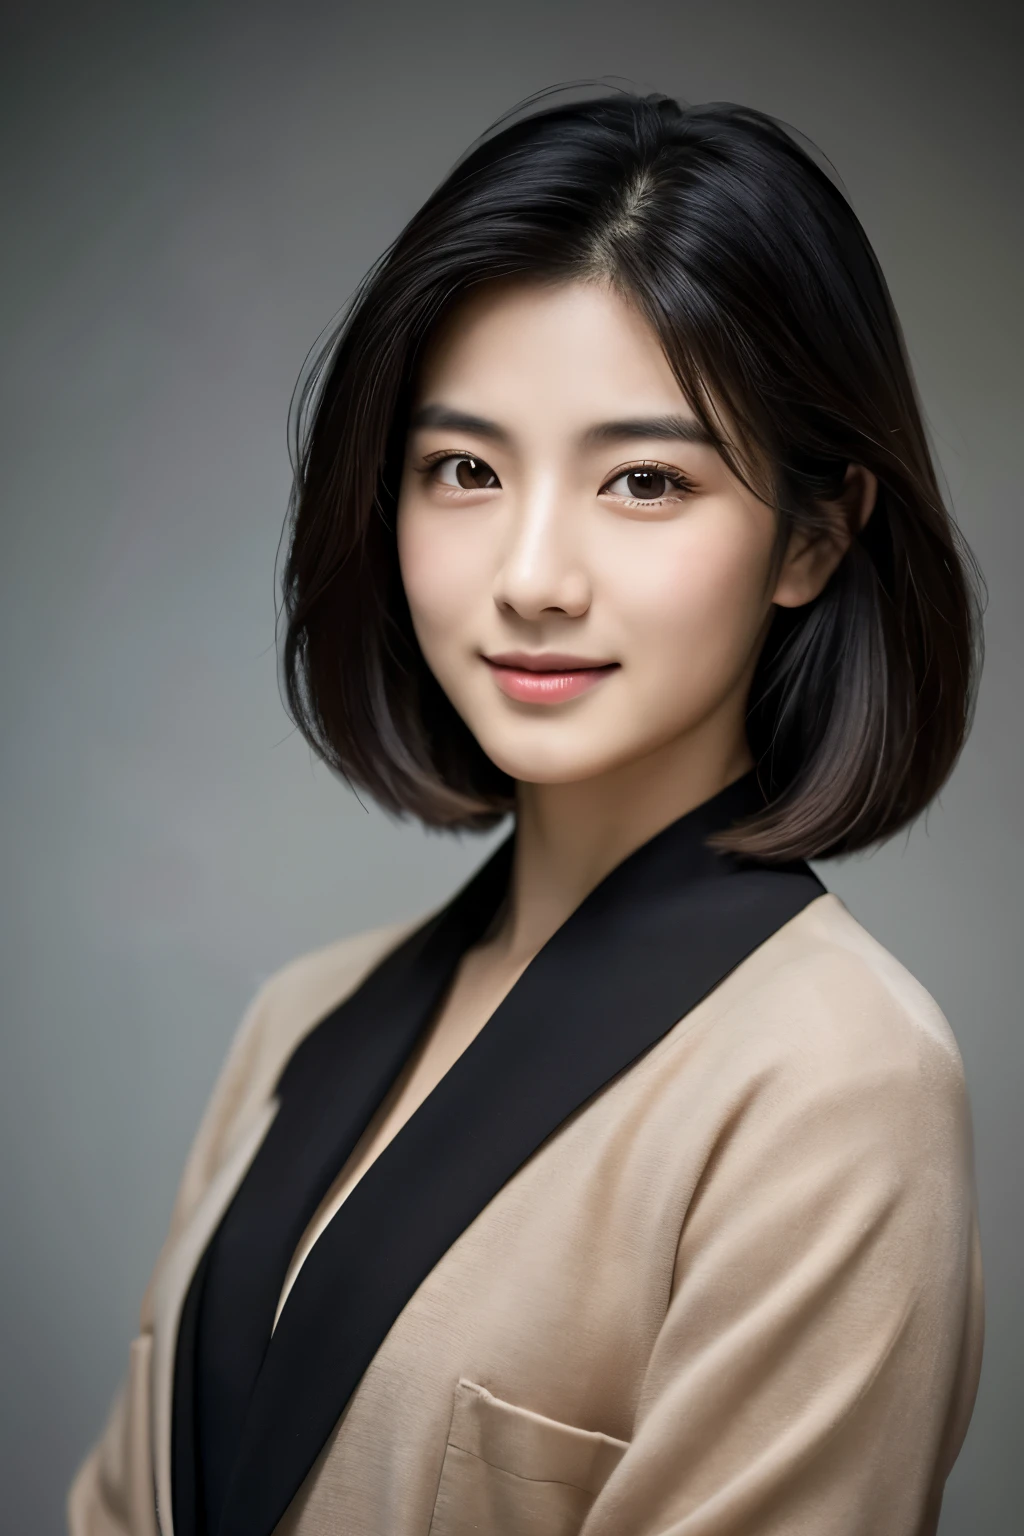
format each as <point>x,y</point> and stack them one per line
<point>577,349</point>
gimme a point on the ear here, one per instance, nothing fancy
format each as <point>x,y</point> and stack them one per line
<point>813,555</point>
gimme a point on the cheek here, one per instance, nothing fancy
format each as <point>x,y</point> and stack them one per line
<point>440,572</point>
<point>698,595</point>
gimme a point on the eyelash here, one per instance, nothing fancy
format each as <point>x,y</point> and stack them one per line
<point>675,477</point>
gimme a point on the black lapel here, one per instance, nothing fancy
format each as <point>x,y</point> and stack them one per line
<point>329,1090</point>
<point>659,933</point>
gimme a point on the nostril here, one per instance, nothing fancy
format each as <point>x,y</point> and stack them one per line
<point>531,598</point>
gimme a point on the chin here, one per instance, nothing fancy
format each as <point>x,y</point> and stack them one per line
<point>531,764</point>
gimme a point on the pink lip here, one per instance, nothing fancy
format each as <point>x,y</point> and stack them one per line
<point>548,677</point>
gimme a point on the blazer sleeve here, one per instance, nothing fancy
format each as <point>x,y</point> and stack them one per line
<point>818,1363</point>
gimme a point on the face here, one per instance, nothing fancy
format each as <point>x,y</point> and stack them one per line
<point>587,579</point>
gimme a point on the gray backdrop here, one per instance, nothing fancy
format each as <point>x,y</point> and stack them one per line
<point>189,194</point>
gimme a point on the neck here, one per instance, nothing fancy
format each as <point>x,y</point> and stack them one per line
<point>570,836</point>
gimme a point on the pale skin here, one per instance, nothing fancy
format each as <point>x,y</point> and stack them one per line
<point>538,514</point>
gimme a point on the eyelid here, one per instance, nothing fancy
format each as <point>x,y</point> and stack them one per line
<point>440,454</point>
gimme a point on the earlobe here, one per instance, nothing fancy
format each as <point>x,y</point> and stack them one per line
<point>813,556</point>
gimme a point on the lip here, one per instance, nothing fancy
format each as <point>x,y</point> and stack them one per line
<point>546,677</point>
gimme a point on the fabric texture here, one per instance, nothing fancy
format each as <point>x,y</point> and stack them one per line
<point>739,1290</point>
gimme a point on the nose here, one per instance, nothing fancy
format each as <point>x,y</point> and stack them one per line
<point>541,570</point>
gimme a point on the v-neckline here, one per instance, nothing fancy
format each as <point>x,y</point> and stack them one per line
<point>653,938</point>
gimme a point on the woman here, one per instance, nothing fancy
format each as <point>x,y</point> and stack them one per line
<point>631,1192</point>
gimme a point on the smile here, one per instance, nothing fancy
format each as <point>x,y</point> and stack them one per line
<point>547,678</point>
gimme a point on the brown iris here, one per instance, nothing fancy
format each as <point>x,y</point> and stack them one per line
<point>647,484</point>
<point>473,474</point>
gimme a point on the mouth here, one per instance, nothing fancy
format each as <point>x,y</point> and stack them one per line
<point>547,677</point>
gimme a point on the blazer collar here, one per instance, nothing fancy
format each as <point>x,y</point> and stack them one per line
<point>659,933</point>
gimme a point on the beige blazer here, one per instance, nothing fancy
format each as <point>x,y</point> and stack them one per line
<point>738,1291</point>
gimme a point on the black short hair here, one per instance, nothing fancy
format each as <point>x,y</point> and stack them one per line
<point>749,263</point>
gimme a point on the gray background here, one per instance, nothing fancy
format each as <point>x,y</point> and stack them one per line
<point>189,194</point>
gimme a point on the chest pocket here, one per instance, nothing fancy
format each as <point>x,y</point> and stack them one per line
<point>511,1470</point>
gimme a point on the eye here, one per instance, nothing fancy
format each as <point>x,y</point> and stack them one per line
<point>647,482</point>
<point>463,471</point>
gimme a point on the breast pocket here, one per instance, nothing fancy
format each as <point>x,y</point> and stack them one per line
<point>511,1471</point>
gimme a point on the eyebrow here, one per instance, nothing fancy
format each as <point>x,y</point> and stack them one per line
<point>683,429</point>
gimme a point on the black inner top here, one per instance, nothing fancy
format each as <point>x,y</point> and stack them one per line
<point>252,1411</point>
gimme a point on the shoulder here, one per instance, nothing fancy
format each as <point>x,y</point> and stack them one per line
<point>831,1095</point>
<point>289,1004</point>
<point>830,1042</point>
<point>823,986</point>
<point>301,991</point>
<point>294,999</point>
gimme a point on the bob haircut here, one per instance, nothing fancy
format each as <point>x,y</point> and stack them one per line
<point>760,283</point>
